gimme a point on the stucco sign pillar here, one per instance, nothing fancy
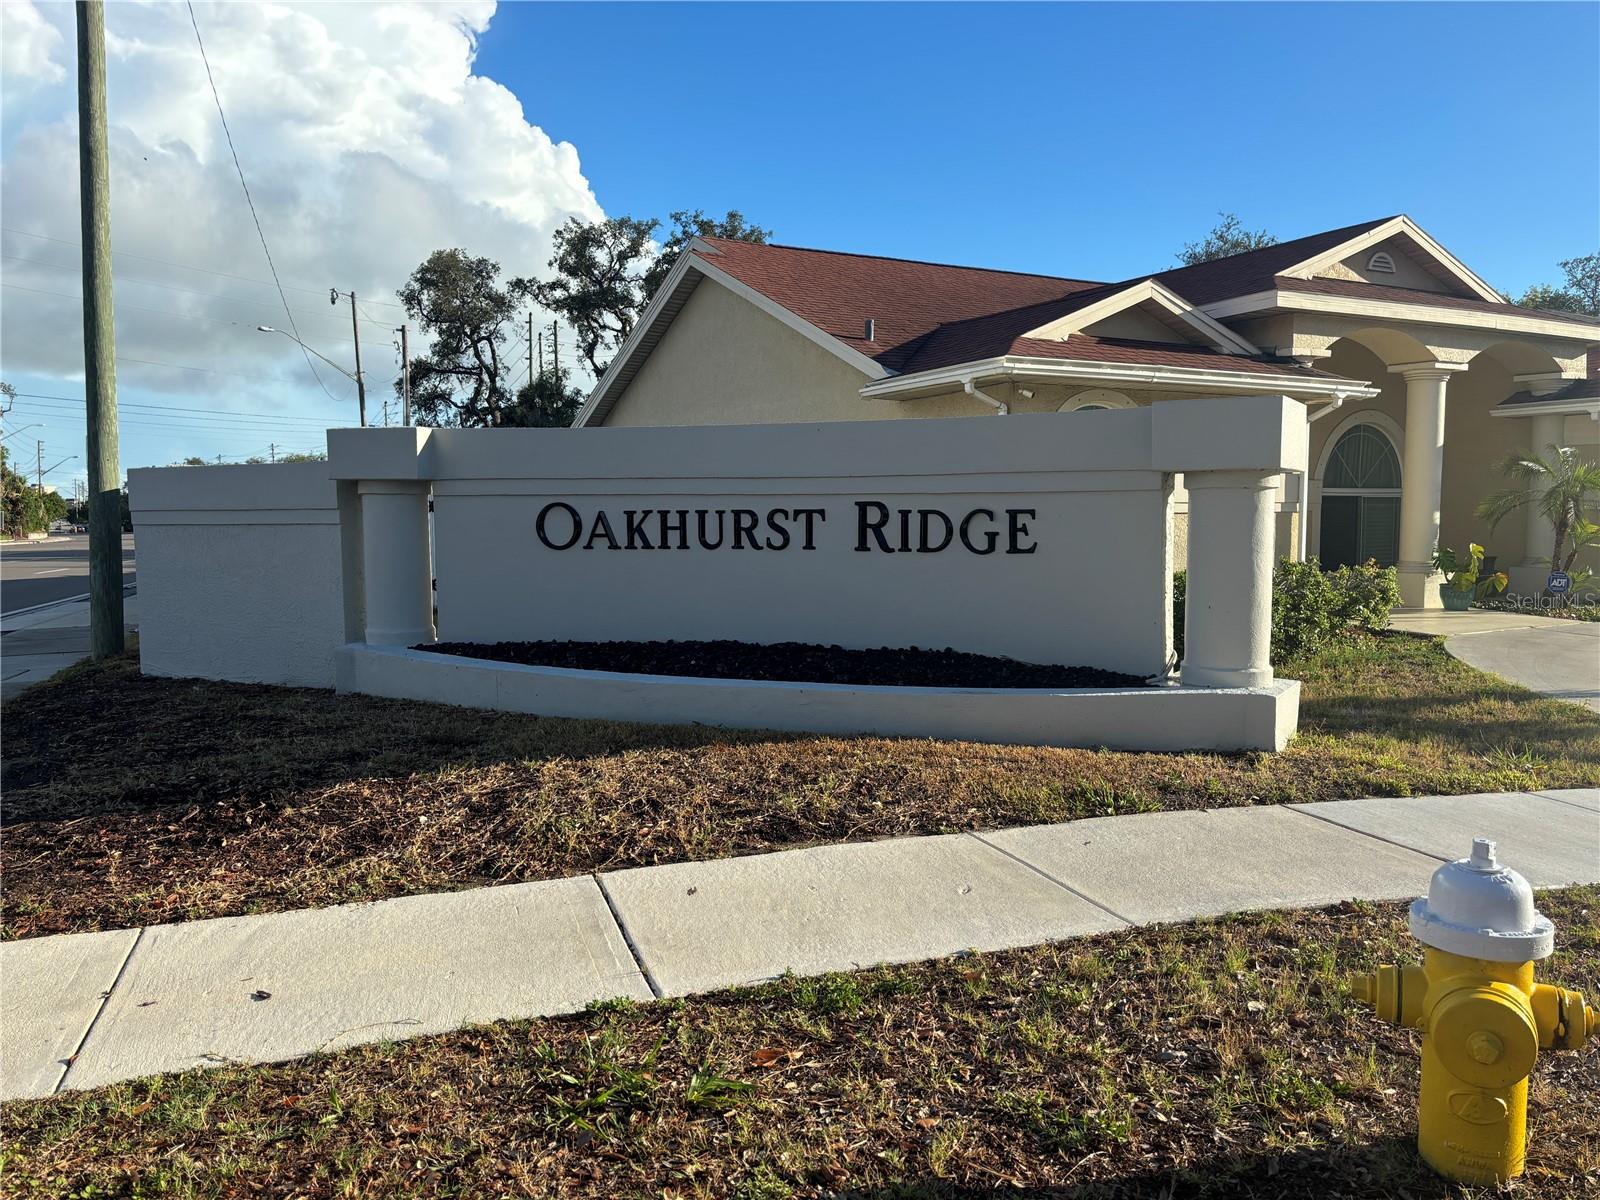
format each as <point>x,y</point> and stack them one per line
<point>1422,480</point>
<point>1227,634</point>
<point>1233,452</point>
<point>395,564</point>
<point>391,574</point>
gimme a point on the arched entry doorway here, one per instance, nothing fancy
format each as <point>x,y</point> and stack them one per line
<point>1360,509</point>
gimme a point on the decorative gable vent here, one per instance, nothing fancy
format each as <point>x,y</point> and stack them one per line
<point>1381,262</point>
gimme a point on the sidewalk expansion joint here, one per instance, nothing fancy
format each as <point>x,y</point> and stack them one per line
<point>1043,874</point>
<point>1300,808</point>
<point>627,938</point>
<point>1560,800</point>
<point>95,1020</point>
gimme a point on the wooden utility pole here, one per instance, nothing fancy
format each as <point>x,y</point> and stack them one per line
<point>405,376</point>
<point>38,467</point>
<point>530,350</point>
<point>361,380</point>
<point>555,356</point>
<point>99,339</point>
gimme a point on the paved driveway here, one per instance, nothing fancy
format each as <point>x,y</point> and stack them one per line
<point>1558,658</point>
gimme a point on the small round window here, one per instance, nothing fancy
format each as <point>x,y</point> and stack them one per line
<point>1094,400</point>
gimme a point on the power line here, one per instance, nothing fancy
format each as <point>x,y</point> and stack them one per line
<point>171,287</point>
<point>196,427</point>
<point>176,408</point>
<point>45,237</point>
<point>71,413</point>
<point>237,166</point>
<point>125,304</point>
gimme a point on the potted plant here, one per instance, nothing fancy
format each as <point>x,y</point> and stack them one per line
<point>1464,581</point>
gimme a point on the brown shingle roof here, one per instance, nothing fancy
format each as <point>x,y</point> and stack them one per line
<point>1001,334</point>
<point>1578,389</point>
<point>929,315</point>
<point>906,300</point>
<point>1255,270</point>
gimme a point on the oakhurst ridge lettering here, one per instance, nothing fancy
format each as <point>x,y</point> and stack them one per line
<point>878,529</point>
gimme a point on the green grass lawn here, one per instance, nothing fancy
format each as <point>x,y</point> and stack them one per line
<point>1222,1059</point>
<point>131,800</point>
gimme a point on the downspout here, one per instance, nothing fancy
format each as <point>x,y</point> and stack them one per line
<point>1305,478</point>
<point>1001,408</point>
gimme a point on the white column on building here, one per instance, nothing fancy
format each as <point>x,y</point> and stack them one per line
<point>1422,479</point>
<point>1227,627</point>
<point>1544,431</point>
<point>395,562</point>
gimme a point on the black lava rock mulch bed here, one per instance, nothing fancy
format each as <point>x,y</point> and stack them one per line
<point>794,662</point>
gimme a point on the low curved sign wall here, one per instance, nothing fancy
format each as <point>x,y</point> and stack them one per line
<point>1032,538</point>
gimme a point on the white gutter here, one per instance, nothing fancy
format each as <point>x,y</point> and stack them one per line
<point>1534,408</point>
<point>1001,408</point>
<point>1048,370</point>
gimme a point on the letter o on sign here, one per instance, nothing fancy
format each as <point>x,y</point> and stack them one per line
<point>572,515</point>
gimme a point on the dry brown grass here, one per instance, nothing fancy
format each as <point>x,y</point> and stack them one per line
<point>131,800</point>
<point>1215,1059</point>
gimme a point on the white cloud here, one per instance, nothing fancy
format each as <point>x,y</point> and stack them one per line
<point>367,142</point>
<point>29,50</point>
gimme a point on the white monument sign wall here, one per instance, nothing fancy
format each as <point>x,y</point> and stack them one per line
<point>1044,538</point>
<point>995,537</point>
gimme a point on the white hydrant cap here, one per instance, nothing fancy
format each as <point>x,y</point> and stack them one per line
<point>1478,908</point>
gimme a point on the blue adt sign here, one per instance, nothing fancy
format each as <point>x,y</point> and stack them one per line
<point>1559,583</point>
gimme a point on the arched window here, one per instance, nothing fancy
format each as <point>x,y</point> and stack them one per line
<point>1095,399</point>
<point>1360,516</point>
<point>1363,459</point>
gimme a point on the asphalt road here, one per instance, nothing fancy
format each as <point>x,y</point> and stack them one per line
<point>54,569</point>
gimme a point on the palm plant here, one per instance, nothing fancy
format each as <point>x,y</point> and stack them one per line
<point>1561,486</point>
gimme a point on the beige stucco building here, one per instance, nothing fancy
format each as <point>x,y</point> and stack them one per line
<point>1417,376</point>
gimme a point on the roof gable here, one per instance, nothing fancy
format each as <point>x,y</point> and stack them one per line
<point>1254,270</point>
<point>1409,239</point>
<point>1161,310</point>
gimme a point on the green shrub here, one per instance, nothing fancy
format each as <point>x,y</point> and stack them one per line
<point>1365,594</point>
<point>1311,606</point>
<point>1304,609</point>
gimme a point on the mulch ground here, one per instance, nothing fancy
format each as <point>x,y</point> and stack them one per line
<point>1219,1059</point>
<point>795,662</point>
<point>131,800</point>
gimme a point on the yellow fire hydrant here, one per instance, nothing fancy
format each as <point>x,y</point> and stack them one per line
<point>1483,1018</point>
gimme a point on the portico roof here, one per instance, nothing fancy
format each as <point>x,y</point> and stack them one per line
<point>1581,395</point>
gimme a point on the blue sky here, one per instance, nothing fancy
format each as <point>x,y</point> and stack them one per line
<point>1089,140</point>
<point>1084,139</point>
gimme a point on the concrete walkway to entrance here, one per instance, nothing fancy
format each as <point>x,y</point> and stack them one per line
<point>83,1010</point>
<point>1557,657</point>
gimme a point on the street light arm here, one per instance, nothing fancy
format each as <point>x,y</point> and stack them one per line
<point>310,349</point>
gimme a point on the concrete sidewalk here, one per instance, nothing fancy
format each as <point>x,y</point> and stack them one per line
<point>1560,658</point>
<point>83,1010</point>
<point>37,643</point>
